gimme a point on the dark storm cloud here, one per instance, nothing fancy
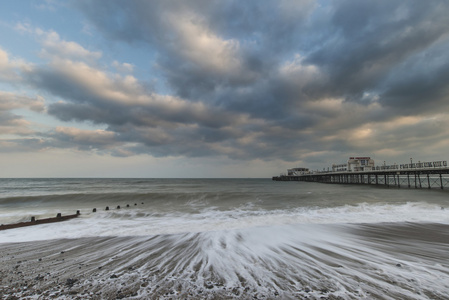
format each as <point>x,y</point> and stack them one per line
<point>421,83</point>
<point>265,31</point>
<point>258,79</point>
<point>356,44</point>
<point>368,39</point>
<point>89,99</point>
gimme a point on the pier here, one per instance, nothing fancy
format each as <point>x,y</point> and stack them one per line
<point>418,176</point>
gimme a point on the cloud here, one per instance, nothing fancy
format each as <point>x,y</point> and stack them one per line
<point>123,67</point>
<point>9,101</point>
<point>12,123</point>
<point>54,46</point>
<point>9,69</point>
<point>296,80</point>
<point>420,84</point>
<point>199,50</point>
<point>70,137</point>
<point>365,41</point>
<point>17,145</point>
<point>113,99</point>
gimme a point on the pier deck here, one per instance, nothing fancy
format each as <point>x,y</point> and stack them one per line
<point>409,178</point>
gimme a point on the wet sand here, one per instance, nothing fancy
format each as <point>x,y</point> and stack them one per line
<point>381,261</point>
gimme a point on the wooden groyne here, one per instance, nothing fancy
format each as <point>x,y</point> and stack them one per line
<point>416,178</point>
<point>33,221</point>
<point>59,218</point>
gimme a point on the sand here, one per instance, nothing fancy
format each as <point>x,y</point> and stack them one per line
<point>130,268</point>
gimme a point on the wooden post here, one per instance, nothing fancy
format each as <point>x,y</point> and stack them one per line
<point>441,181</point>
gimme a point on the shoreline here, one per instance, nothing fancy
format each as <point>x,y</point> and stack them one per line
<point>147,267</point>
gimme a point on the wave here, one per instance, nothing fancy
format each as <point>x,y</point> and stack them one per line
<point>145,219</point>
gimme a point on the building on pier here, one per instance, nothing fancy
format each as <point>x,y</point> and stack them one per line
<point>355,164</point>
<point>340,168</point>
<point>297,171</point>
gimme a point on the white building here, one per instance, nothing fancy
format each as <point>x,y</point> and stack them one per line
<point>297,171</point>
<point>360,164</point>
<point>355,164</point>
<point>339,168</point>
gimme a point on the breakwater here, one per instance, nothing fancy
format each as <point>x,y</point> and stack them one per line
<point>59,218</point>
<point>409,178</point>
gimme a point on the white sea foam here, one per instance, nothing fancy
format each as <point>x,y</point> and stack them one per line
<point>141,222</point>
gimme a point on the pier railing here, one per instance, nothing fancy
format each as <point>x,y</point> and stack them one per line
<point>422,177</point>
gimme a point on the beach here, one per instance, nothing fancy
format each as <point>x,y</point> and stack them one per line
<point>404,261</point>
<point>228,239</point>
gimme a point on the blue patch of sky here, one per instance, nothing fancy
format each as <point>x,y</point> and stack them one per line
<point>26,46</point>
<point>71,26</point>
<point>21,44</point>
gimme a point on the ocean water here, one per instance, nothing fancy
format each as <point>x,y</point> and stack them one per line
<point>234,238</point>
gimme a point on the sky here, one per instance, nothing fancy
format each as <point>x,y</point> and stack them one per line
<point>208,88</point>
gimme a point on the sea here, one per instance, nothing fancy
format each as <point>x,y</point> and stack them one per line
<point>246,238</point>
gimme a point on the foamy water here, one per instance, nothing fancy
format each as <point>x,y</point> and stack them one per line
<point>144,221</point>
<point>239,238</point>
<point>180,206</point>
